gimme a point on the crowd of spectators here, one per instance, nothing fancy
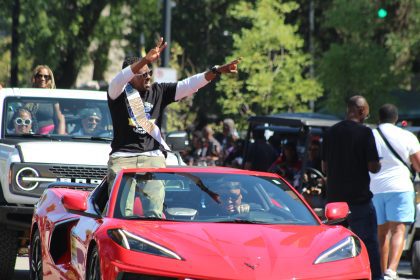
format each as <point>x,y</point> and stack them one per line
<point>222,145</point>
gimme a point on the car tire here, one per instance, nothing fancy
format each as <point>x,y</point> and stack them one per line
<point>415,259</point>
<point>8,253</point>
<point>35,257</point>
<point>93,271</point>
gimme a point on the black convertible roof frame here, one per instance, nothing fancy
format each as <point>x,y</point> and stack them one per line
<point>305,122</point>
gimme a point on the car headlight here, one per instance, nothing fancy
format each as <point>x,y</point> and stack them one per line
<point>134,242</point>
<point>349,247</point>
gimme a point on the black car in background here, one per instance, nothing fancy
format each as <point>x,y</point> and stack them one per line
<point>300,129</point>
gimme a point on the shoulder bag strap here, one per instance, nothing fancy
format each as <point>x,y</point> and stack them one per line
<point>393,151</point>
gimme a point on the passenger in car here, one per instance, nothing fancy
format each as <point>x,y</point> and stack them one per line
<point>314,160</point>
<point>90,122</point>
<point>21,122</point>
<point>49,116</point>
<point>288,164</point>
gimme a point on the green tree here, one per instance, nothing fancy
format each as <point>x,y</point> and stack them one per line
<point>204,31</point>
<point>372,56</point>
<point>273,67</point>
<point>59,33</point>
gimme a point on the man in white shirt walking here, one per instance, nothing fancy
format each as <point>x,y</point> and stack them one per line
<point>392,188</point>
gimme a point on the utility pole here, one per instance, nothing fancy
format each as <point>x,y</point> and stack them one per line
<point>14,53</point>
<point>167,6</point>
<point>311,45</point>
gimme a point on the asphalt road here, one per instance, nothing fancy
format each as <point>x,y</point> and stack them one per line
<point>22,270</point>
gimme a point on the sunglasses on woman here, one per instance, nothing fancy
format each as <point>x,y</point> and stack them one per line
<point>46,77</point>
<point>20,121</point>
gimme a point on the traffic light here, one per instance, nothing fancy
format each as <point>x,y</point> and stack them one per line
<point>382,13</point>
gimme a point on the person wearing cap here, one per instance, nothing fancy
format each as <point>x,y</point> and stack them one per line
<point>90,122</point>
<point>136,106</point>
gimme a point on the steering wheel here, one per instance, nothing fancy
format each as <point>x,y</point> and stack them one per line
<point>313,189</point>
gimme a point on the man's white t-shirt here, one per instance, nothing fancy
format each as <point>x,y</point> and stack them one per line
<point>394,176</point>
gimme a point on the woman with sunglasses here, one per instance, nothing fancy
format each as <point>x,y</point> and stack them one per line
<point>49,116</point>
<point>21,122</point>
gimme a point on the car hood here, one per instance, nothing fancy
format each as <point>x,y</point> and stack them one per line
<point>83,153</point>
<point>238,249</point>
<point>225,239</point>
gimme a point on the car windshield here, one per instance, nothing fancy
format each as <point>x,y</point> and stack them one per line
<point>42,117</point>
<point>214,197</point>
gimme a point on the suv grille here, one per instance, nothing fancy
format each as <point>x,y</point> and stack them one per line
<point>78,172</point>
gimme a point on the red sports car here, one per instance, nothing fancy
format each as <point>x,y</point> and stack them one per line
<point>210,223</point>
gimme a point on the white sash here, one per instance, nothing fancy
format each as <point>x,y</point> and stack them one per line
<point>136,112</point>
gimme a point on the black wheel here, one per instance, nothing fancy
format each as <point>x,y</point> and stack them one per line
<point>35,257</point>
<point>8,252</point>
<point>93,271</point>
<point>415,259</point>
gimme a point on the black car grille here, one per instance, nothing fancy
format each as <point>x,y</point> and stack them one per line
<point>78,172</point>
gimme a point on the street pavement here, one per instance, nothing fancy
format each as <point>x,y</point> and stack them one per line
<point>22,269</point>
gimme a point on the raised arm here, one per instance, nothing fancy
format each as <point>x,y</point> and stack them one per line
<point>191,85</point>
<point>118,83</point>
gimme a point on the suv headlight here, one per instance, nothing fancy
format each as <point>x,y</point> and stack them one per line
<point>134,242</point>
<point>24,179</point>
<point>349,247</point>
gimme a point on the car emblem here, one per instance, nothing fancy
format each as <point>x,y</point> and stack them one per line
<point>250,266</point>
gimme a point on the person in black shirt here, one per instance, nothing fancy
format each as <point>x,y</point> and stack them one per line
<point>136,105</point>
<point>348,154</point>
<point>260,154</point>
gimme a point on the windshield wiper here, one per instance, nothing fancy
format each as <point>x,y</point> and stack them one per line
<point>144,218</point>
<point>240,221</point>
<point>94,138</point>
<point>34,135</point>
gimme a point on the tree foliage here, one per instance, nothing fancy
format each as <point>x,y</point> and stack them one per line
<point>59,33</point>
<point>371,56</point>
<point>355,51</point>
<point>204,31</point>
<point>273,70</point>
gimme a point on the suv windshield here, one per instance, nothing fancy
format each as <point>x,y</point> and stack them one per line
<point>81,118</point>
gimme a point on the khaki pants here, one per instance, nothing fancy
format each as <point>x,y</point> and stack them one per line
<point>153,192</point>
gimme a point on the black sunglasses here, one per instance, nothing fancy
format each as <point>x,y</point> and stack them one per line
<point>145,74</point>
<point>20,121</point>
<point>46,77</point>
<point>230,196</point>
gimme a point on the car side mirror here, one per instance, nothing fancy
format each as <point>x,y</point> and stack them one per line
<point>75,201</point>
<point>336,212</point>
<point>177,140</point>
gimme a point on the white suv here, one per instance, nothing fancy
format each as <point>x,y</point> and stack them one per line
<point>32,157</point>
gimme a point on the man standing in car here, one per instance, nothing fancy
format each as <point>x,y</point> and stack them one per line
<point>136,105</point>
<point>349,153</point>
<point>392,188</point>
